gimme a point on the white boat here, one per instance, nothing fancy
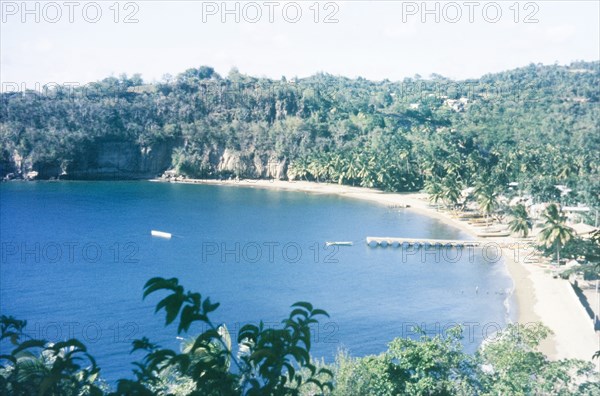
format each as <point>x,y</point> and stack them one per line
<point>160,234</point>
<point>493,234</point>
<point>338,243</point>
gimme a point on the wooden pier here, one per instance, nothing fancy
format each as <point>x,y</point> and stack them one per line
<point>399,206</point>
<point>391,241</point>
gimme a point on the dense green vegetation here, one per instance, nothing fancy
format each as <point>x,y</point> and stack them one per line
<point>508,365</point>
<point>537,125</point>
<point>273,361</point>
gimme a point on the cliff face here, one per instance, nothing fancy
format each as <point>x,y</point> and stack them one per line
<point>121,160</point>
<point>104,160</point>
<point>253,165</point>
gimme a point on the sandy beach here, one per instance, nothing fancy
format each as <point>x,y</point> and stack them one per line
<point>539,297</point>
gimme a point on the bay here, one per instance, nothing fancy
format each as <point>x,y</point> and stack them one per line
<point>75,257</point>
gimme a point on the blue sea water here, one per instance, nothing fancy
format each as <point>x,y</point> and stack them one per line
<point>75,257</point>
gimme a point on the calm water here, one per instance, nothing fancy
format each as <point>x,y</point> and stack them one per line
<point>75,256</point>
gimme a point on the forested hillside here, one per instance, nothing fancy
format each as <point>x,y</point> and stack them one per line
<point>538,126</point>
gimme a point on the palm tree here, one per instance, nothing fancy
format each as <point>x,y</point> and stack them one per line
<point>366,165</point>
<point>555,232</point>
<point>337,165</point>
<point>351,170</point>
<point>299,168</point>
<point>316,167</point>
<point>405,156</point>
<point>520,222</point>
<point>453,163</point>
<point>487,198</point>
<point>452,189</point>
<point>433,187</point>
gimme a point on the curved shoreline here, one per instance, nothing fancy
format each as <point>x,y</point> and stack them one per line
<point>538,297</point>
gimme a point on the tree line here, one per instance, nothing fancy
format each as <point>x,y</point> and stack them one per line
<point>536,126</point>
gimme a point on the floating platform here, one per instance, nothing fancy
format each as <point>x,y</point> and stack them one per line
<point>390,241</point>
<point>160,234</point>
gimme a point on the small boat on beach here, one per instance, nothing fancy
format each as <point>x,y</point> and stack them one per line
<point>498,228</point>
<point>338,243</point>
<point>493,234</point>
<point>160,234</point>
<point>480,220</point>
<point>491,223</point>
<point>467,216</point>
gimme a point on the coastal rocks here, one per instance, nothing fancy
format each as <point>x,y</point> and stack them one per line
<point>31,175</point>
<point>16,167</point>
<point>171,175</point>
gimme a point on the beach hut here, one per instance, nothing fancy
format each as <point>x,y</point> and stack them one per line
<point>583,230</point>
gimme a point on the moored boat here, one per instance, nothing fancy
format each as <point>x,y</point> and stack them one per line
<point>347,243</point>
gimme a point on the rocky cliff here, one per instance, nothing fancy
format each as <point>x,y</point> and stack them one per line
<point>254,165</point>
<point>122,160</point>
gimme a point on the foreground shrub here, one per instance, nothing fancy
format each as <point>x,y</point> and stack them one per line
<point>509,365</point>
